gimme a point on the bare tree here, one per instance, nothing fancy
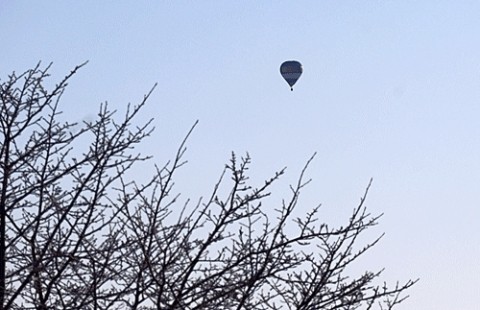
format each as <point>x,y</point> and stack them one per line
<point>76,232</point>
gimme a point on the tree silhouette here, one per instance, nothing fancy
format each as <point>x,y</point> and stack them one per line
<point>76,232</point>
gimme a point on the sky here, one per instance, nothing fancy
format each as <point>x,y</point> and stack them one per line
<point>390,91</point>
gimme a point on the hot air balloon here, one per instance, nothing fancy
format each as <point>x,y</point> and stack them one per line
<point>291,71</point>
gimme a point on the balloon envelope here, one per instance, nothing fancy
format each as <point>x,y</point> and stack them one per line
<point>291,71</point>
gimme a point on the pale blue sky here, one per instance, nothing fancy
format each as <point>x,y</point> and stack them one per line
<point>390,90</point>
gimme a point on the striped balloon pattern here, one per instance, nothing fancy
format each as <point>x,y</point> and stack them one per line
<point>291,71</point>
